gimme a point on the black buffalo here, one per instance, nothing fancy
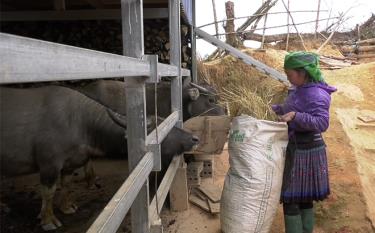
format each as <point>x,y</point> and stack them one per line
<point>53,130</point>
<point>196,100</point>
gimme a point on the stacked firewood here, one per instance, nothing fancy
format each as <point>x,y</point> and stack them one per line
<point>157,41</point>
<point>103,36</point>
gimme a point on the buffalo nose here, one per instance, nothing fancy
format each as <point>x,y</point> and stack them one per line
<point>195,139</point>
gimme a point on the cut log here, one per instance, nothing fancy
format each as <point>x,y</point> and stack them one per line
<point>354,49</point>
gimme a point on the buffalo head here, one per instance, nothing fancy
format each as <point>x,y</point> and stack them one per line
<point>200,101</point>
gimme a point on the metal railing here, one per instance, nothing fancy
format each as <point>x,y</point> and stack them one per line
<point>30,60</point>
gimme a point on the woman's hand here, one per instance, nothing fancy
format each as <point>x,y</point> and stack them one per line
<point>287,117</point>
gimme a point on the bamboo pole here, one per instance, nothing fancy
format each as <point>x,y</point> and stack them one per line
<point>295,27</point>
<point>260,14</point>
<point>317,19</point>
<point>264,30</point>
<point>339,22</point>
<point>215,18</point>
<point>287,22</point>
<point>280,26</point>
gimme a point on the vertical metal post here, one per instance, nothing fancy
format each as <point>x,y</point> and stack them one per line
<point>132,34</point>
<point>194,73</point>
<point>175,56</point>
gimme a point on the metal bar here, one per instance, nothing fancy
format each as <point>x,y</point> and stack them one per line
<point>102,14</point>
<point>194,73</point>
<point>132,29</point>
<point>175,56</point>
<point>112,215</point>
<point>163,129</point>
<point>30,60</point>
<point>242,56</point>
<point>164,187</point>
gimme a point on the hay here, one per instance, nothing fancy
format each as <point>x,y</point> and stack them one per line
<point>242,88</point>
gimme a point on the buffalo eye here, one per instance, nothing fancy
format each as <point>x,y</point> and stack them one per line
<point>211,100</point>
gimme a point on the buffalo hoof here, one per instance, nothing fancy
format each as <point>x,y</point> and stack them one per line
<point>53,225</point>
<point>71,209</point>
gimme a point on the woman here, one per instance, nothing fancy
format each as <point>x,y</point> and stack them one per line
<point>306,110</point>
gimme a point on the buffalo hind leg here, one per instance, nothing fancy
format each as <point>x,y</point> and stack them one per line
<point>66,204</point>
<point>48,219</point>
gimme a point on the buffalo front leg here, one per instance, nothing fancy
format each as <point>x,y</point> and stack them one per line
<point>48,219</point>
<point>66,204</point>
<point>90,176</point>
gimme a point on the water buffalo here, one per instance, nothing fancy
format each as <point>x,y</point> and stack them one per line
<point>53,130</point>
<point>196,100</point>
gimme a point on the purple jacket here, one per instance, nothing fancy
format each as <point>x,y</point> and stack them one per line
<point>311,103</point>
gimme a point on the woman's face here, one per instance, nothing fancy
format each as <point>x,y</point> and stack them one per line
<point>295,77</point>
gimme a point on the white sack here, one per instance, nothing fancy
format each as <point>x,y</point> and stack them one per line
<point>252,186</point>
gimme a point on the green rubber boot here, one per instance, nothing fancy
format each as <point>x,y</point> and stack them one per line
<point>308,221</point>
<point>293,223</point>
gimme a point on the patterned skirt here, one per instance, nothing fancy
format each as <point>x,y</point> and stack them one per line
<point>306,175</point>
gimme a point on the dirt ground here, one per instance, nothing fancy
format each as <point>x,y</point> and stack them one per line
<point>351,152</point>
<point>22,198</point>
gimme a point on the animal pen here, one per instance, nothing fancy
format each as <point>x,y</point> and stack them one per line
<point>27,60</point>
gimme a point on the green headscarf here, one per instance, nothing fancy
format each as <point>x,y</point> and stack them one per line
<point>305,60</point>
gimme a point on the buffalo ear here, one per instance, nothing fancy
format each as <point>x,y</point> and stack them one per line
<point>193,93</point>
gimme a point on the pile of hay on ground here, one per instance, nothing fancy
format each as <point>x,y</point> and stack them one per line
<point>243,89</point>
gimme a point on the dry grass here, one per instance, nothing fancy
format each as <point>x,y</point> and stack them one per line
<point>243,89</point>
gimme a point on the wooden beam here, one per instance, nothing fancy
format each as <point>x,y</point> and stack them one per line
<point>164,187</point>
<point>179,190</point>
<point>31,60</point>
<point>133,44</point>
<point>175,56</point>
<point>112,215</point>
<point>102,14</point>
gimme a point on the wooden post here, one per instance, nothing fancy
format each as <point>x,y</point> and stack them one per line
<point>358,33</point>
<point>287,22</point>
<point>132,29</point>
<point>176,86</point>
<point>179,190</point>
<point>231,38</point>
<point>317,20</point>
<point>175,56</point>
<point>215,18</point>
<point>264,29</point>
<point>295,27</point>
